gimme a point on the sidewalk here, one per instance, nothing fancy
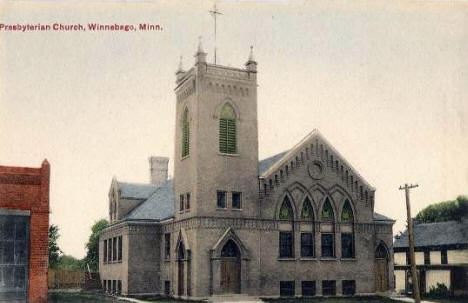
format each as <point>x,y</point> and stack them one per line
<point>406,299</point>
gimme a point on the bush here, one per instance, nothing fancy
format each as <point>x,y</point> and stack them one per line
<point>439,291</point>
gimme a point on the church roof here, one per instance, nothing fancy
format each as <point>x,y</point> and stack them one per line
<point>158,206</point>
<point>379,217</point>
<point>439,233</point>
<point>266,163</point>
<point>137,191</point>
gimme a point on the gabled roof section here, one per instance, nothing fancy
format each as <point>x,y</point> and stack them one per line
<point>314,146</point>
<point>159,206</point>
<point>433,234</point>
<point>266,163</point>
<point>137,191</point>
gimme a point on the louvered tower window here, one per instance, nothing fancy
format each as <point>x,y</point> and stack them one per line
<point>227,130</point>
<point>185,134</point>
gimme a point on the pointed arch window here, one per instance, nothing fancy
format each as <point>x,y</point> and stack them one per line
<point>286,211</point>
<point>307,213</point>
<point>327,212</point>
<point>328,236</point>
<point>307,238</point>
<point>227,130</point>
<point>347,235</point>
<point>230,250</point>
<point>286,238</point>
<point>185,134</point>
<point>347,213</point>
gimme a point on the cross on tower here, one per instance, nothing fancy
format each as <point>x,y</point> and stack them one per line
<point>214,13</point>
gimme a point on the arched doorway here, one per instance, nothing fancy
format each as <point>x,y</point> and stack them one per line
<point>230,268</point>
<point>381,268</point>
<point>180,269</point>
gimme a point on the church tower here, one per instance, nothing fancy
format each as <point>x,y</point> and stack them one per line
<point>216,142</point>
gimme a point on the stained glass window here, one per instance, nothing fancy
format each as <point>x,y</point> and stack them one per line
<point>347,213</point>
<point>286,212</point>
<point>327,211</point>
<point>307,211</point>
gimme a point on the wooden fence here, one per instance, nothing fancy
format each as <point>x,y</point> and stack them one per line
<point>63,279</point>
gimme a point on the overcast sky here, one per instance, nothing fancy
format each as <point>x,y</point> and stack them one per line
<point>386,84</point>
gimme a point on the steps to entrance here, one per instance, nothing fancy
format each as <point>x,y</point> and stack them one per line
<point>235,298</point>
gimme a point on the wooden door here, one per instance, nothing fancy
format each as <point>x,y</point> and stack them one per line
<point>180,281</point>
<point>230,276</point>
<point>381,275</point>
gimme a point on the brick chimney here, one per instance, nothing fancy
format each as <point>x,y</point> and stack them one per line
<point>158,170</point>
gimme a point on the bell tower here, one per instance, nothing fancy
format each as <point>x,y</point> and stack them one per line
<point>216,142</point>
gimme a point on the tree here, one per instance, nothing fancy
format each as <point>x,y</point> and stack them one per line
<point>70,263</point>
<point>54,250</point>
<point>444,211</point>
<point>92,255</point>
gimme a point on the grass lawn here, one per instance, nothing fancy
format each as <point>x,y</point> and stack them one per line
<point>335,300</point>
<point>450,300</point>
<point>97,298</point>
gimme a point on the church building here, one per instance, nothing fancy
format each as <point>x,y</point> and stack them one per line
<point>300,223</point>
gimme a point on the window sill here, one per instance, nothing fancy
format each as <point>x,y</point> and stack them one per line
<point>167,260</point>
<point>286,259</point>
<point>237,209</point>
<point>222,209</point>
<point>229,155</point>
<point>348,259</point>
<point>328,259</point>
<point>184,157</point>
<point>308,259</point>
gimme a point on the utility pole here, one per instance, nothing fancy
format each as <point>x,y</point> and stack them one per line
<point>414,274</point>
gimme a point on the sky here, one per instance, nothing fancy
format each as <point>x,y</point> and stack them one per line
<point>385,83</point>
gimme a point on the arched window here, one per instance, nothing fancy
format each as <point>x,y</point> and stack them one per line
<point>328,238</point>
<point>307,237</point>
<point>230,250</point>
<point>307,213</point>
<point>347,234</point>
<point>347,213</point>
<point>227,130</point>
<point>381,252</point>
<point>327,211</point>
<point>185,134</point>
<point>181,251</point>
<point>286,211</point>
<point>286,238</point>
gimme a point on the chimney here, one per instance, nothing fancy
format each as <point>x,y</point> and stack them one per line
<point>158,170</point>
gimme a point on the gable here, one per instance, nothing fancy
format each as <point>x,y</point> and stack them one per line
<point>319,156</point>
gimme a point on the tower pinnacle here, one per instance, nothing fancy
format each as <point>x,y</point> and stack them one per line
<point>200,54</point>
<point>251,64</point>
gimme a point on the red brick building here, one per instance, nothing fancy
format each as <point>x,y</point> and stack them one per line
<point>24,222</point>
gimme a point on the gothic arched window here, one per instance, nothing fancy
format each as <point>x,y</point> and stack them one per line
<point>307,213</point>
<point>347,235</point>
<point>327,211</point>
<point>347,213</point>
<point>230,249</point>
<point>381,252</point>
<point>307,237</point>
<point>185,134</point>
<point>227,130</point>
<point>328,238</point>
<point>286,211</point>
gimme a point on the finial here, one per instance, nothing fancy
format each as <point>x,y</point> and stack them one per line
<point>181,68</point>
<point>200,47</point>
<point>251,57</point>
